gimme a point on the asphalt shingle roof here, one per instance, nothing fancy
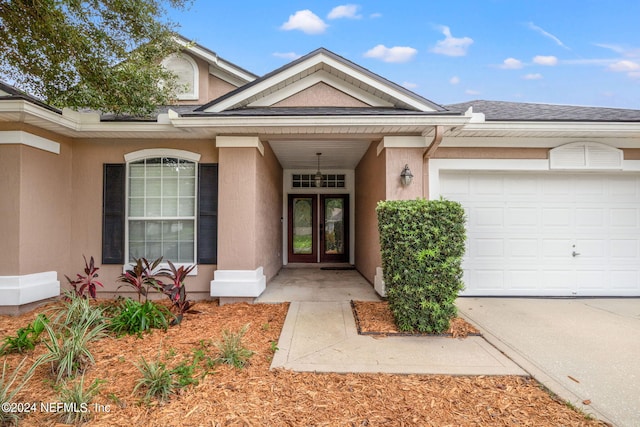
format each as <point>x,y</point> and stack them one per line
<point>520,111</point>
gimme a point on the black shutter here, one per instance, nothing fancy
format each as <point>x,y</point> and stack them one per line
<point>208,213</point>
<point>113,215</point>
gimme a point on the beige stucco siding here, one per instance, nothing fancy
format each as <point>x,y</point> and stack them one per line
<point>87,185</point>
<point>10,184</point>
<point>269,213</point>
<point>370,189</point>
<point>490,153</point>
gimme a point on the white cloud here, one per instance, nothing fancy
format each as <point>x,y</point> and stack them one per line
<point>546,60</point>
<point>547,34</point>
<point>625,66</point>
<point>375,15</point>
<point>391,54</point>
<point>536,76</point>
<point>409,85</point>
<point>305,21</point>
<point>634,74</point>
<point>454,80</point>
<point>452,46</point>
<point>345,11</point>
<point>286,55</point>
<point>511,64</point>
<point>472,92</point>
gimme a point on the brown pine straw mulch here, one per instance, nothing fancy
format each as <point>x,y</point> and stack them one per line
<point>258,396</point>
<point>375,318</point>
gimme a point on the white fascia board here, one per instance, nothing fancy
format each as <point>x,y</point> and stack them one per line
<point>212,58</point>
<point>161,152</point>
<point>310,63</point>
<point>318,121</point>
<point>315,78</point>
<point>568,127</point>
<point>25,138</point>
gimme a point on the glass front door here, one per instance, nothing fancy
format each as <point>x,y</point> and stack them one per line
<point>318,228</point>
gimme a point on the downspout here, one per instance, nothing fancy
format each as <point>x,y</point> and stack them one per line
<point>426,154</point>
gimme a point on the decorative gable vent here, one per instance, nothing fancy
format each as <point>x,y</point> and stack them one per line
<point>585,156</point>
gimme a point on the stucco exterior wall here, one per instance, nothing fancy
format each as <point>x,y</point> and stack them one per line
<point>237,208</point>
<point>216,88</point>
<point>395,160</point>
<point>46,204</point>
<point>269,213</point>
<point>10,184</point>
<point>370,189</point>
<point>490,153</point>
<point>87,186</point>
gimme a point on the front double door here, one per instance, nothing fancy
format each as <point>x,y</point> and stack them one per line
<point>318,228</point>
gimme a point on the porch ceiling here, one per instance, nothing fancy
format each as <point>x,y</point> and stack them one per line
<point>336,154</point>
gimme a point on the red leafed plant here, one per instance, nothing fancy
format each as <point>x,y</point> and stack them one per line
<point>176,289</point>
<point>88,282</point>
<point>141,277</point>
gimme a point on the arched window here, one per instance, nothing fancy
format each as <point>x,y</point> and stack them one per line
<point>161,205</point>
<point>186,70</point>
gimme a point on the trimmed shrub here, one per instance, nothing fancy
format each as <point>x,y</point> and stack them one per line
<point>422,243</point>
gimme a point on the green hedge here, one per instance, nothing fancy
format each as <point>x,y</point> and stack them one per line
<point>422,243</point>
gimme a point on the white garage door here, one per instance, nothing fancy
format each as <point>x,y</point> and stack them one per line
<point>549,233</point>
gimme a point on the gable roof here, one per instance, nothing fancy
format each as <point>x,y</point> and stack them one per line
<point>322,65</point>
<point>530,112</point>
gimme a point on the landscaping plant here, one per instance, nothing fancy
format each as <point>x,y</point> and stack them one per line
<point>77,399</point>
<point>68,345</point>
<point>231,349</point>
<point>74,309</point>
<point>26,338</point>
<point>135,317</point>
<point>8,391</point>
<point>422,244</point>
<point>141,277</point>
<point>157,379</point>
<point>175,290</point>
<point>88,282</point>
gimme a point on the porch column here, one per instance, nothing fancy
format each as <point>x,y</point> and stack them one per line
<point>238,276</point>
<point>398,152</point>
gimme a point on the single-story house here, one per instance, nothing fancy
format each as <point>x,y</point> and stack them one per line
<point>249,174</point>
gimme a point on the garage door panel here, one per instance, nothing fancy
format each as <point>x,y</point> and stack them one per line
<point>523,248</point>
<point>523,227</point>
<point>624,280</point>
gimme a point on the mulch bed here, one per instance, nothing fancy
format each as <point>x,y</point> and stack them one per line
<point>375,318</point>
<point>258,396</point>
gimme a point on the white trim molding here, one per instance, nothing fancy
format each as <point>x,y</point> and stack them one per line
<point>162,152</point>
<point>25,138</point>
<point>531,165</point>
<point>585,156</point>
<point>240,142</point>
<point>238,283</point>
<point>28,288</point>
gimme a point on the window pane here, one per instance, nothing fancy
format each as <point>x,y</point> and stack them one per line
<point>136,207</point>
<point>170,207</point>
<point>186,206</point>
<point>153,207</point>
<point>162,188</point>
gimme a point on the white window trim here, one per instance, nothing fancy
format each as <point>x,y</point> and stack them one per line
<point>154,153</point>
<point>192,96</point>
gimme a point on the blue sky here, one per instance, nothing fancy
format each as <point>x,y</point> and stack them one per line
<point>583,52</point>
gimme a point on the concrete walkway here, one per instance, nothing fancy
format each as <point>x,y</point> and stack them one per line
<point>319,334</point>
<point>583,349</point>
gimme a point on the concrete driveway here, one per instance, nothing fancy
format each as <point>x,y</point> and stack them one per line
<point>584,350</point>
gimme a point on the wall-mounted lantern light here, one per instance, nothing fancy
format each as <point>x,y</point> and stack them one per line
<point>406,176</point>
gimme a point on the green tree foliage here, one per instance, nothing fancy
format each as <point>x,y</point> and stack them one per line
<point>98,54</point>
